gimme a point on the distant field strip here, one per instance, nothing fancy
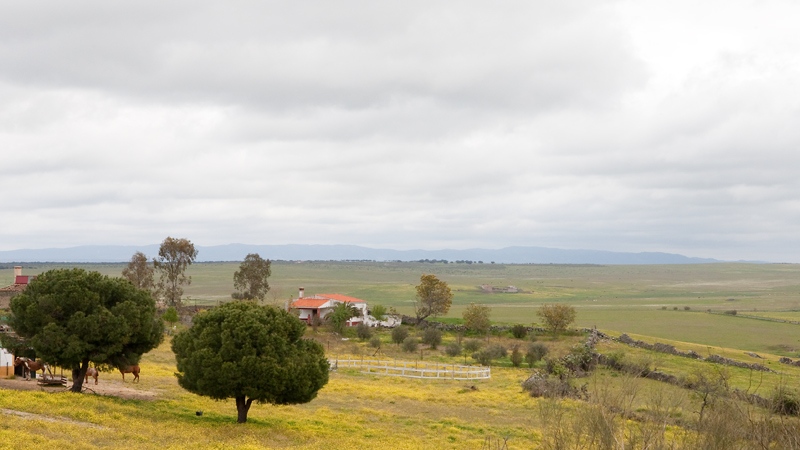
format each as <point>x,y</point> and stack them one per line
<point>415,369</point>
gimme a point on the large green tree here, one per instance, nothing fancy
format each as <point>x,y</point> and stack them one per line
<point>250,281</point>
<point>433,297</point>
<point>174,256</point>
<point>72,317</point>
<point>250,353</point>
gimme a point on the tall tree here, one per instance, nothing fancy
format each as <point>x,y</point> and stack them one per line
<point>476,317</point>
<point>250,281</point>
<point>250,353</point>
<point>433,297</point>
<point>72,317</point>
<point>174,256</point>
<point>557,317</point>
<point>140,272</point>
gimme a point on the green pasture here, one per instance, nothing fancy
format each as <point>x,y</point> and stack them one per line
<point>648,299</point>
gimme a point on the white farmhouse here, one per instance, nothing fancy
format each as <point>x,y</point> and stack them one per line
<point>320,305</point>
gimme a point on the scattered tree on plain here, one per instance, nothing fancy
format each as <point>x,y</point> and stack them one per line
<point>250,281</point>
<point>250,353</point>
<point>174,256</point>
<point>476,317</point>
<point>557,317</point>
<point>140,272</point>
<point>433,298</point>
<point>72,317</point>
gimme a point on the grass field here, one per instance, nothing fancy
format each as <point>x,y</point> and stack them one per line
<point>614,298</point>
<point>353,410</point>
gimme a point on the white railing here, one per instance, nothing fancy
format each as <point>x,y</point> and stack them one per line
<point>414,369</point>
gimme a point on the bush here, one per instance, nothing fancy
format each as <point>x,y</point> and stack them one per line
<point>472,345</point>
<point>363,331</point>
<point>519,331</point>
<point>410,344</point>
<point>432,336</point>
<point>786,401</point>
<point>731,312</point>
<point>453,349</point>
<point>399,334</point>
<point>686,308</point>
<point>664,308</point>
<point>497,351</point>
<point>484,357</point>
<point>579,359</point>
<point>536,351</point>
<point>674,308</point>
<point>375,342</point>
<point>516,356</point>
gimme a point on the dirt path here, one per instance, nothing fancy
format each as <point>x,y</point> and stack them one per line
<point>113,388</point>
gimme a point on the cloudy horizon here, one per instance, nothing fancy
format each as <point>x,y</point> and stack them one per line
<point>606,125</point>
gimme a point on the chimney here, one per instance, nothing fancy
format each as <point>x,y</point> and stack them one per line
<point>17,271</point>
<point>302,292</point>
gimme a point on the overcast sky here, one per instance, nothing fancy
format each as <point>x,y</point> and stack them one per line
<point>608,125</point>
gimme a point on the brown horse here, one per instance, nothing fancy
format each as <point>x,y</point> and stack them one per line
<point>29,366</point>
<point>132,369</point>
<point>92,372</point>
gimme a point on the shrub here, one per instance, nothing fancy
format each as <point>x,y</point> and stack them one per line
<point>497,351</point>
<point>686,308</point>
<point>519,331</point>
<point>472,345</point>
<point>432,336</point>
<point>363,331</point>
<point>410,344</point>
<point>674,308</point>
<point>536,351</point>
<point>484,357</point>
<point>375,342</point>
<point>453,349</point>
<point>731,312</point>
<point>579,359</point>
<point>516,356</point>
<point>664,308</point>
<point>786,401</point>
<point>399,334</point>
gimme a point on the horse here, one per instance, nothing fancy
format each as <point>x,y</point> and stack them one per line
<point>132,369</point>
<point>30,366</point>
<point>92,372</point>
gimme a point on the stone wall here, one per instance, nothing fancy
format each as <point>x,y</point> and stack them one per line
<point>666,348</point>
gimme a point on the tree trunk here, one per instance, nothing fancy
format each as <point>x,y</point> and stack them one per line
<point>78,375</point>
<point>243,406</point>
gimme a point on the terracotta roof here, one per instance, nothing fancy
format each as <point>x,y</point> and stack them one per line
<point>14,288</point>
<point>308,302</point>
<point>342,298</point>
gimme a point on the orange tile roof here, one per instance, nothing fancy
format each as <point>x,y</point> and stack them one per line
<point>342,298</point>
<point>14,288</point>
<point>307,302</point>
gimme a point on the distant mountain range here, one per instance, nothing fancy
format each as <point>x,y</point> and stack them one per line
<point>290,252</point>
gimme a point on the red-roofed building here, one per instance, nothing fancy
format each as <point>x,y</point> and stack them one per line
<point>20,283</point>
<point>320,305</point>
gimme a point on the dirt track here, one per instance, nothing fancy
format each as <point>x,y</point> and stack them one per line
<point>110,387</point>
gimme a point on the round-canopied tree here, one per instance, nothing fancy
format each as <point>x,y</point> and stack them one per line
<point>72,317</point>
<point>250,353</point>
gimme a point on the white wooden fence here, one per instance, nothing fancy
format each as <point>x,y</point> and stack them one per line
<point>413,369</point>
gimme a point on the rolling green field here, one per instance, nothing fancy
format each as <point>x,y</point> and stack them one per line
<point>647,299</point>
